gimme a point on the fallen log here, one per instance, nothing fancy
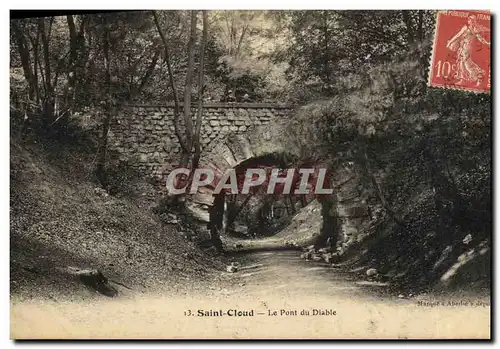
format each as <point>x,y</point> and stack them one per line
<point>94,279</point>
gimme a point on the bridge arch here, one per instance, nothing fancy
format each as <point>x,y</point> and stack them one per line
<point>262,146</point>
<point>232,133</point>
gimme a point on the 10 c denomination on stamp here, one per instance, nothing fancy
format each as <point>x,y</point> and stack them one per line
<point>461,52</point>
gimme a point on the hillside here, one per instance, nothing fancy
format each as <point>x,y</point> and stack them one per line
<point>60,219</point>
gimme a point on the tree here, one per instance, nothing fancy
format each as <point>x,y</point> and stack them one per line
<point>108,103</point>
<point>327,47</point>
<point>201,86</point>
<point>189,140</point>
<point>246,42</point>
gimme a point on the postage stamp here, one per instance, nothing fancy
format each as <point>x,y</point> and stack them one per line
<point>250,174</point>
<point>461,52</point>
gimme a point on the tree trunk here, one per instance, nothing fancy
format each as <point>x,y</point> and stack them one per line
<point>73,58</point>
<point>231,218</point>
<point>331,227</point>
<point>147,75</point>
<point>445,191</point>
<point>188,120</point>
<point>201,84</point>
<point>49,100</point>
<point>420,30</point>
<point>24,54</point>
<point>177,113</point>
<point>36,44</point>
<point>409,28</point>
<point>378,190</point>
<point>240,42</point>
<point>326,53</point>
<point>101,163</point>
<point>217,221</point>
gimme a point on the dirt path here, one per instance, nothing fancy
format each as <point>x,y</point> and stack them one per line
<point>278,296</point>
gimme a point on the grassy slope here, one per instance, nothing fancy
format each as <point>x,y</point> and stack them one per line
<point>58,219</point>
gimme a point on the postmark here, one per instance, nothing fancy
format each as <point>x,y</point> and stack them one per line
<point>461,51</point>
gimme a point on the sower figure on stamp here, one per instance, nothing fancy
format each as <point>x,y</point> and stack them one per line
<point>462,43</point>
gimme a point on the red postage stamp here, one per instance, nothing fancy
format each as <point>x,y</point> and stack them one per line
<point>461,52</point>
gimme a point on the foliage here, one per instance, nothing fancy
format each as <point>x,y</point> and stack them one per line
<point>330,48</point>
<point>424,155</point>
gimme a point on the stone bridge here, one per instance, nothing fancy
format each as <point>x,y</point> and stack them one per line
<point>144,135</point>
<point>231,135</point>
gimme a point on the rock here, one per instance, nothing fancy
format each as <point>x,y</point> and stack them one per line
<point>371,272</point>
<point>240,229</point>
<point>92,278</point>
<point>327,257</point>
<point>315,257</point>
<point>324,250</point>
<point>401,296</point>
<point>335,258</point>
<point>444,255</point>
<point>199,213</point>
<point>171,219</point>
<point>467,239</point>
<point>212,250</point>
<point>101,192</point>
<point>306,255</point>
<point>232,268</point>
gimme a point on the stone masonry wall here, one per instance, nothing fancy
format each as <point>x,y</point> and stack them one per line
<point>144,135</point>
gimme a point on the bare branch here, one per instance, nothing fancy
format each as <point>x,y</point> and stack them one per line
<point>189,81</point>
<point>201,84</point>
<point>172,83</point>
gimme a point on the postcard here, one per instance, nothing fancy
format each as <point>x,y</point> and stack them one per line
<point>241,174</point>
